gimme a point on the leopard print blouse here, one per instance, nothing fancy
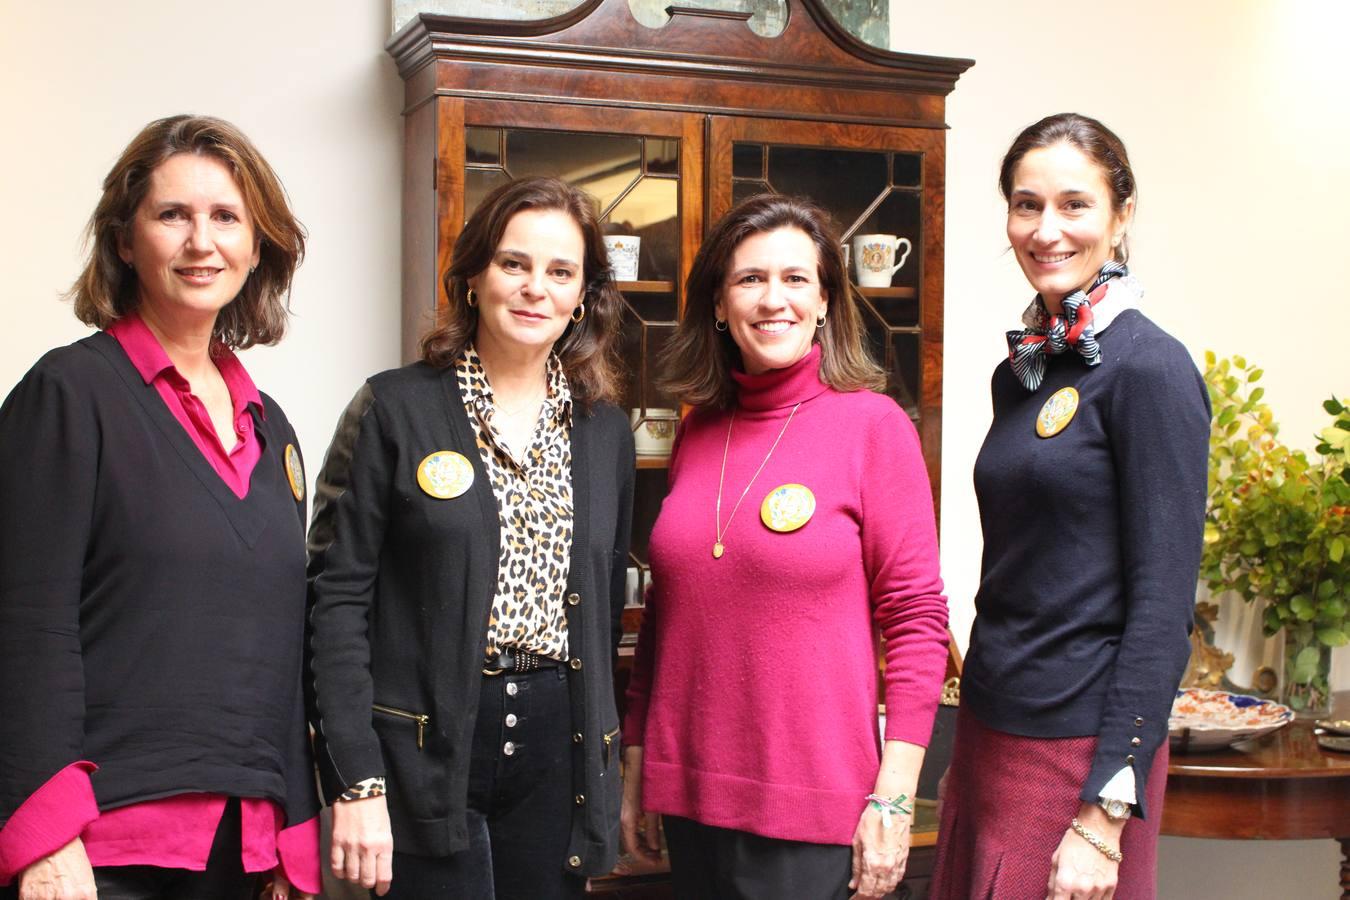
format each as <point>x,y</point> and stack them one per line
<point>534,503</point>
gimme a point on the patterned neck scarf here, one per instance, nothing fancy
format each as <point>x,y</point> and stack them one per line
<point>1046,335</point>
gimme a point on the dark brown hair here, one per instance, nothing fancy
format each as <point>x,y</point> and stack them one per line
<point>1097,142</point>
<point>588,350</point>
<point>107,289</point>
<point>699,359</point>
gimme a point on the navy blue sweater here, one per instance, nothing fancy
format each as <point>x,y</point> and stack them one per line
<point>1092,543</point>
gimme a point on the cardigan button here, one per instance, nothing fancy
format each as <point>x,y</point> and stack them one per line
<point>512,689</point>
<point>511,720</point>
<point>1138,721</point>
<point>1129,760</point>
<point>574,862</point>
<point>575,663</point>
<point>573,599</point>
<point>1135,742</point>
<point>581,799</point>
<point>578,737</point>
<point>509,748</point>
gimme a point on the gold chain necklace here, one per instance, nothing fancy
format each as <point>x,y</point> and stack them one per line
<point>719,548</point>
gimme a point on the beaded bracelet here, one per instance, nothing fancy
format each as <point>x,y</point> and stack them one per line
<point>1102,846</point>
<point>888,806</point>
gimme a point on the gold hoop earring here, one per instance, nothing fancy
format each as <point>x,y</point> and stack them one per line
<point>720,324</point>
<point>581,308</point>
<point>470,300</point>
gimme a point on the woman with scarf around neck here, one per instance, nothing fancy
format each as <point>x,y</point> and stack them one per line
<point>799,518</point>
<point>1091,485</point>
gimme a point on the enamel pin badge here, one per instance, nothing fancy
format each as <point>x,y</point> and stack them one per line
<point>445,474</point>
<point>295,472</point>
<point>1057,412</point>
<point>787,507</point>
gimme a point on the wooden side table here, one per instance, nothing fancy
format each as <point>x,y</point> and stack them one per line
<point>1282,786</point>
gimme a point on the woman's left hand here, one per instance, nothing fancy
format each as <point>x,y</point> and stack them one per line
<point>1078,870</point>
<point>879,854</point>
<point>280,888</point>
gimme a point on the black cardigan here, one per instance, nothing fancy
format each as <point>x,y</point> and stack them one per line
<point>151,621</point>
<point>1092,545</point>
<point>402,585</point>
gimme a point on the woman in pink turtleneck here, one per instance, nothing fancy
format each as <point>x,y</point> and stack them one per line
<point>799,517</point>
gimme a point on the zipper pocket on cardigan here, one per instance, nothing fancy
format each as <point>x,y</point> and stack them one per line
<point>422,720</point>
<point>608,738</point>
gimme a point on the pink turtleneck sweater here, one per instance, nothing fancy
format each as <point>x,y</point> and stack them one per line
<point>754,689</point>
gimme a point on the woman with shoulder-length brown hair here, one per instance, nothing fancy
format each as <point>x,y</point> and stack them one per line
<point>752,710</point>
<point>152,727</point>
<point>468,555</point>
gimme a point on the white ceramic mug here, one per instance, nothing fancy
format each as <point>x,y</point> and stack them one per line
<point>874,257</point>
<point>654,435</point>
<point>623,255</point>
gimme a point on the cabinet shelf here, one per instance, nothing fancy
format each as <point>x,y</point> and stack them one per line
<point>653,462</point>
<point>890,293</point>
<point>646,287</point>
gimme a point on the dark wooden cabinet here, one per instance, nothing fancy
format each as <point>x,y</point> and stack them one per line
<point>668,127</point>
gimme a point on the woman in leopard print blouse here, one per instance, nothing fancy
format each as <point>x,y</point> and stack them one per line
<point>468,553</point>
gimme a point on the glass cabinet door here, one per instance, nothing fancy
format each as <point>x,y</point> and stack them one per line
<point>874,181</point>
<point>644,170</point>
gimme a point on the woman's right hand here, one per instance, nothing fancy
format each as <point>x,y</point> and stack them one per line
<point>65,875</point>
<point>641,829</point>
<point>363,845</point>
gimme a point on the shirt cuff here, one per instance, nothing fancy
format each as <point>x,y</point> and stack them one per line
<point>1120,787</point>
<point>298,853</point>
<point>51,817</point>
<point>363,790</point>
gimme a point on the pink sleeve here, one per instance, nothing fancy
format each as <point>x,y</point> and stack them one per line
<point>298,850</point>
<point>52,816</point>
<point>900,552</point>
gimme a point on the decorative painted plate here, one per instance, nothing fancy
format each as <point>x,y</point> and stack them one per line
<point>1208,720</point>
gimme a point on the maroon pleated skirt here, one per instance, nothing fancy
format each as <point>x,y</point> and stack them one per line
<point>1008,802</point>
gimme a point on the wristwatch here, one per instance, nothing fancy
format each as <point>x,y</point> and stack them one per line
<point>1116,810</point>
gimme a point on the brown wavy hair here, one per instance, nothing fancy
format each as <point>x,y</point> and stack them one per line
<point>588,350</point>
<point>108,289</point>
<point>1097,142</point>
<point>699,359</point>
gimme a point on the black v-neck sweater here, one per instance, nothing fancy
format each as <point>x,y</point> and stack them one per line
<point>151,621</point>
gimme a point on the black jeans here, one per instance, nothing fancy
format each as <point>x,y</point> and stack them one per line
<point>520,801</point>
<point>710,863</point>
<point>224,878</point>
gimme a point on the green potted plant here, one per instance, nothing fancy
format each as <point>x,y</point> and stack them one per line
<point>1278,527</point>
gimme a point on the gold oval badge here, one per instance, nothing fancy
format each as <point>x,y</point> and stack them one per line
<point>1057,412</point>
<point>295,472</point>
<point>445,474</point>
<point>788,507</point>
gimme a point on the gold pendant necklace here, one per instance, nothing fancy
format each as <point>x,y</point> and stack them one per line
<point>718,547</point>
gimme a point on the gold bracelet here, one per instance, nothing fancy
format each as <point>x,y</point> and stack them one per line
<point>1102,846</point>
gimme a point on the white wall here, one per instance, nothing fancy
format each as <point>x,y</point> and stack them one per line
<point>1233,113</point>
<point>314,90</point>
<point>1234,117</point>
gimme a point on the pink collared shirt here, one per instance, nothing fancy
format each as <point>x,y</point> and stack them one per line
<point>170,832</point>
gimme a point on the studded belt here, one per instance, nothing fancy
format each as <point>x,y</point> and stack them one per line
<point>510,659</point>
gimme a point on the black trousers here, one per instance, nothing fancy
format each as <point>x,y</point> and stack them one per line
<point>520,801</point>
<point>710,863</point>
<point>224,878</point>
